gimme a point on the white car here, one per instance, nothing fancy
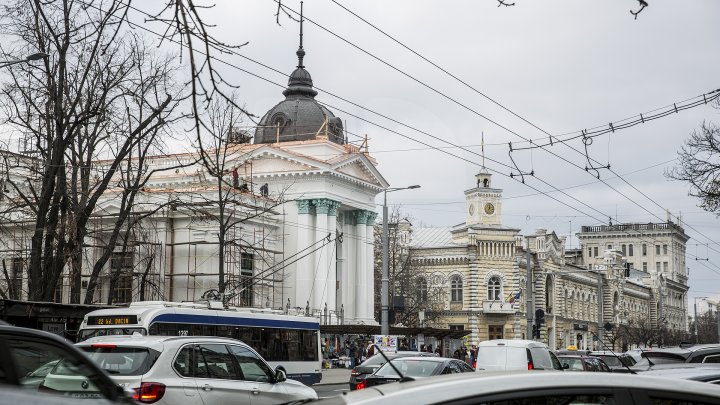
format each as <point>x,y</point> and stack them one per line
<point>534,388</point>
<point>169,370</point>
<point>515,355</point>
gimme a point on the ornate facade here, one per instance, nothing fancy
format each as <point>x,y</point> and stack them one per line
<point>482,268</point>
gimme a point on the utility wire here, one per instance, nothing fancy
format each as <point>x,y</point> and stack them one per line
<point>400,123</point>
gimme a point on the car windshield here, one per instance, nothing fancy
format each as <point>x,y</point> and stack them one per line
<point>122,360</point>
<point>408,368</point>
<point>86,334</point>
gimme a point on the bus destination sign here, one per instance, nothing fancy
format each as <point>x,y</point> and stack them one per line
<point>112,320</point>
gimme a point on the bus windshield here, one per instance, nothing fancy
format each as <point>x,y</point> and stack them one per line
<point>88,333</point>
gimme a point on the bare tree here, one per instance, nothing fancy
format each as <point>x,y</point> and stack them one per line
<point>699,165</point>
<point>413,288</point>
<point>95,107</point>
<point>228,198</point>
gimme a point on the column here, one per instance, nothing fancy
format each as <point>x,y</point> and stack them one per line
<point>348,276</point>
<point>320,269</point>
<point>326,212</point>
<point>361,287</point>
<point>369,268</point>
<point>305,266</point>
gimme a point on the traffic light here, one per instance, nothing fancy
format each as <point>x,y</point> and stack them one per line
<point>539,317</point>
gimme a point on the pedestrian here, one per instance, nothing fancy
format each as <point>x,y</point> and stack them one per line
<point>264,190</point>
<point>371,350</point>
<point>353,354</point>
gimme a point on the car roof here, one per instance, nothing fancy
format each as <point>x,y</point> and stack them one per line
<point>443,388</point>
<point>435,359</point>
<point>511,343</point>
<point>153,342</point>
<point>700,371</point>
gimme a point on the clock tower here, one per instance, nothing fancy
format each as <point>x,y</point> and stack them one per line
<point>483,203</point>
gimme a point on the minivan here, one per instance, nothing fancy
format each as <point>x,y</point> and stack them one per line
<point>507,355</point>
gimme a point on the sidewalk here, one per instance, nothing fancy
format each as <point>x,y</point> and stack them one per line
<point>335,376</point>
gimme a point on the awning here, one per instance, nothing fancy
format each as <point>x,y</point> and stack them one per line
<point>394,330</point>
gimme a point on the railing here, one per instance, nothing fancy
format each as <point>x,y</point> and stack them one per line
<point>631,227</point>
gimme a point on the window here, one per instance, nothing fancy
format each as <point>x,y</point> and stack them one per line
<point>624,250</point>
<point>246,279</point>
<point>665,267</point>
<point>644,249</point>
<point>595,251</point>
<point>421,290</point>
<point>589,252</point>
<point>657,249</point>
<point>121,267</point>
<point>645,266</point>
<point>609,246</point>
<point>217,362</point>
<point>630,250</point>
<point>657,267</point>
<point>456,327</point>
<point>18,266</point>
<point>42,363</point>
<point>494,289</point>
<point>456,289</point>
<point>664,249</point>
<point>252,368</point>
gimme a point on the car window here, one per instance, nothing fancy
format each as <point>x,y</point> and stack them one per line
<point>574,364</point>
<point>612,361</point>
<point>454,367</point>
<point>465,368</point>
<point>714,358</point>
<point>542,359</point>
<point>122,360</point>
<point>408,368</point>
<point>184,363</point>
<point>252,367</point>
<point>49,368</point>
<point>605,399</point>
<point>217,361</point>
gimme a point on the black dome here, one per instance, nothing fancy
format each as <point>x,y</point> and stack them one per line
<point>299,117</point>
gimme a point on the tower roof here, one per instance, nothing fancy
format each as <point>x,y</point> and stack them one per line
<point>299,117</point>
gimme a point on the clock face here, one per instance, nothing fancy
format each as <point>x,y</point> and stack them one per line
<point>471,210</point>
<point>489,208</point>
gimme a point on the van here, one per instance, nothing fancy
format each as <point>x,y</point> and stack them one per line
<point>509,355</point>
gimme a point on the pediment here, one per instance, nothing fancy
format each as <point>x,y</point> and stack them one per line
<point>360,167</point>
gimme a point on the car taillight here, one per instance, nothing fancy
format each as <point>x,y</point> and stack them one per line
<point>149,392</point>
<point>354,373</point>
<point>530,365</point>
<point>360,385</point>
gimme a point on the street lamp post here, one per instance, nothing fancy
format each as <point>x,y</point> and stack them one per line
<point>696,320</point>
<point>29,58</point>
<point>384,291</point>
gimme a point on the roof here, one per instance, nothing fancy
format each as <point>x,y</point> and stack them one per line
<point>431,238</point>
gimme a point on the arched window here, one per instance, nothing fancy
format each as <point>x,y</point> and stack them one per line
<point>456,289</point>
<point>494,289</point>
<point>421,289</point>
<point>630,250</point>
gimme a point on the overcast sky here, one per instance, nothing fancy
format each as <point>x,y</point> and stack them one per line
<point>564,66</point>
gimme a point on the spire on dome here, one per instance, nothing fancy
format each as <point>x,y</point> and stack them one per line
<point>300,83</point>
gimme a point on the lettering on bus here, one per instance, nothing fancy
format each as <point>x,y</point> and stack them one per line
<point>112,320</point>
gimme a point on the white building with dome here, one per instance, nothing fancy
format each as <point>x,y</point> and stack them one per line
<point>305,243</point>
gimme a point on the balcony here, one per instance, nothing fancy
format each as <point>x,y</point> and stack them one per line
<point>499,307</point>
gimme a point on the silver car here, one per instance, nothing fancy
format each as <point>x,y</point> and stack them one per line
<point>169,370</point>
<point>552,387</point>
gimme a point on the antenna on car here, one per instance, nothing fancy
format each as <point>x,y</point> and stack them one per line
<point>607,349</point>
<point>387,360</point>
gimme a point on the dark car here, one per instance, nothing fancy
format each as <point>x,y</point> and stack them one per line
<point>685,353</point>
<point>28,357</point>
<point>369,366</point>
<point>415,367</point>
<point>618,362</point>
<point>707,372</point>
<point>583,363</point>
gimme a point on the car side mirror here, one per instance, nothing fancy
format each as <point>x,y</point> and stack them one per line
<point>566,366</point>
<point>280,375</point>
